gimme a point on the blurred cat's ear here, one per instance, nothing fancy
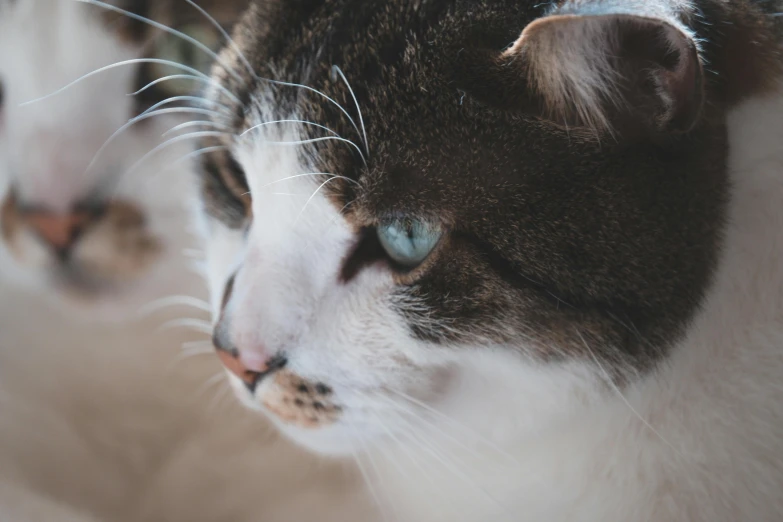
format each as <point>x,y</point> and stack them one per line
<point>604,72</point>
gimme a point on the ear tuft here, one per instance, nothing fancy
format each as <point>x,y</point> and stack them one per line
<point>570,69</point>
<point>601,72</point>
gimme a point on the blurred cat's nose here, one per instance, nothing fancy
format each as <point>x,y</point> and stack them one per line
<point>250,368</point>
<point>60,231</point>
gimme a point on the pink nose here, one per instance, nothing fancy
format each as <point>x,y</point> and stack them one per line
<point>58,230</point>
<point>250,368</point>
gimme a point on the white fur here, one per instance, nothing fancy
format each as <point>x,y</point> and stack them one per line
<point>489,435</point>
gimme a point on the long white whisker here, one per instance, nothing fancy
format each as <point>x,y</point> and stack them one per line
<point>356,102</point>
<point>451,467</point>
<point>434,426</point>
<point>210,383</point>
<point>174,141</point>
<point>163,27</point>
<point>366,475</point>
<point>174,99</point>
<point>194,324</point>
<point>174,300</point>
<point>610,381</point>
<point>214,55</point>
<point>466,430</point>
<point>225,34</point>
<point>208,81</point>
<point>137,119</point>
<point>405,449</point>
<point>195,154</point>
<point>316,91</point>
<point>114,66</point>
<point>190,354</point>
<point>313,196</point>
<point>304,175</point>
<point>200,123</point>
<point>254,127</point>
<point>368,451</point>
<point>317,140</point>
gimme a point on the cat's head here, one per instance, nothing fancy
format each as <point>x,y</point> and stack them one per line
<point>81,217</point>
<point>512,202</point>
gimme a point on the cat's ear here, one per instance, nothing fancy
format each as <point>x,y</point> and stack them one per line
<point>603,72</point>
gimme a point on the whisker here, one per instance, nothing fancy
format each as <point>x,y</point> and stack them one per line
<point>225,35</point>
<point>303,175</point>
<point>405,449</point>
<point>317,140</point>
<point>189,350</point>
<point>313,196</point>
<point>368,452</point>
<point>208,81</point>
<point>466,430</point>
<point>452,468</point>
<point>356,102</point>
<point>142,117</point>
<point>174,141</point>
<point>196,325</point>
<point>439,430</point>
<point>195,154</point>
<point>366,475</point>
<point>200,123</point>
<point>174,300</point>
<point>123,63</point>
<point>255,127</point>
<point>217,399</point>
<point>194,99</point>
<point>212,54</point>
<point>316,91</point>
<point>213,381</point>
<point>191,354</point>
<point>610,381</point>
<point>163,27</point>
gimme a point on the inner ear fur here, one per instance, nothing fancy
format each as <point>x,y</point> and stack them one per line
<point>604,73</point>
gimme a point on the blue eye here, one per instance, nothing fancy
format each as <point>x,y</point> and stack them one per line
<point>409,242</point>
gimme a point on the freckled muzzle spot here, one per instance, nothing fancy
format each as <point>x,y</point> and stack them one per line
<point>301,403</point>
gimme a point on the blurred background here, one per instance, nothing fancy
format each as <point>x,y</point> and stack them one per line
<point>112,405</point>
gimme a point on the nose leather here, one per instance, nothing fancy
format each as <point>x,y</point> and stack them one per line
<point>235,366</point>
<point>59,231</point>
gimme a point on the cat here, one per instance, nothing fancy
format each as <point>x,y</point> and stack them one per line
<point>102,415</point>
<point>85,241</point>
<point>82,219</point>
<point>519,260</point>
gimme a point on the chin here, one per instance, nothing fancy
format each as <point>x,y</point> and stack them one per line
<point>347,437</point>
<point>332,442</point>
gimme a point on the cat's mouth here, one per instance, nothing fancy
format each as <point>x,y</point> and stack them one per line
<point>87,254</point>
